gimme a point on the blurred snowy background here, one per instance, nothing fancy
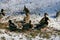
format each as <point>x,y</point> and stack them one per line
<point>35,6</point>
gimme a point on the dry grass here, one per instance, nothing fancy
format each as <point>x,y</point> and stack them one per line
<point>3,25</point>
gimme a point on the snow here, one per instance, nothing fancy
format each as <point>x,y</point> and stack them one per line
<point>21,36</point>
<point>40,6</point>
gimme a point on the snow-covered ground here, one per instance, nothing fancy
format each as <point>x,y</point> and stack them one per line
<point>7,35</point>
